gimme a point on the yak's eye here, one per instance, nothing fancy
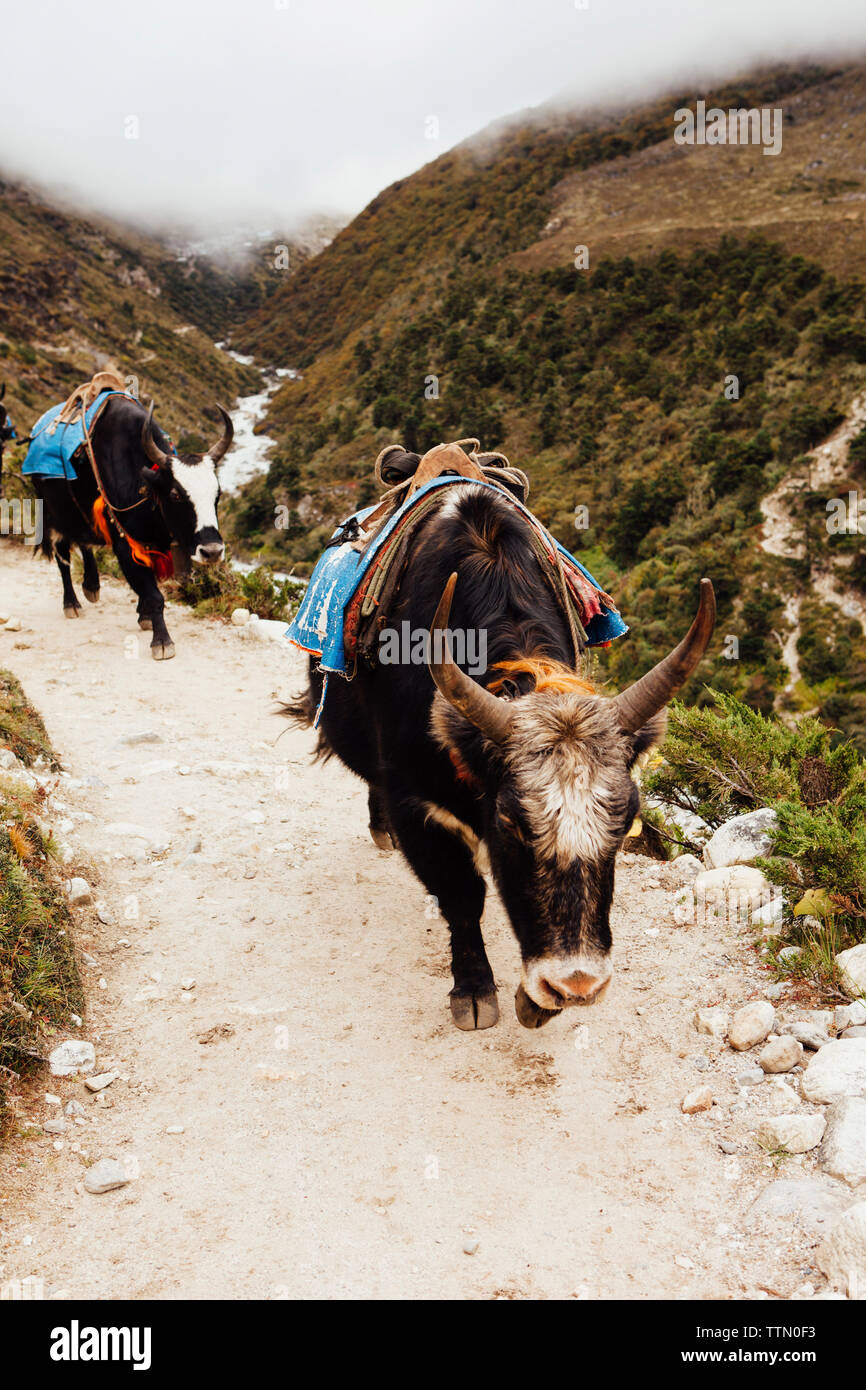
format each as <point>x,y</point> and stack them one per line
<point>174,495</point>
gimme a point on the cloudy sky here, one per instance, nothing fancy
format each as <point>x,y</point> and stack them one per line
<point>262,111</point>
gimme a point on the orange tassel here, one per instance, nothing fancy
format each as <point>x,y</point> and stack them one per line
<point>159,561</point>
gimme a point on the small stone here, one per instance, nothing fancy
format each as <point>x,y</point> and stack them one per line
<point>57,1126</point>
<point>852,964</point>
<point>104,914</point>
<point>712,1021</point>
<point>842,1255</point>
<point>796,1134</point>
<point>240,617</point>
<point>470,1247</point>
<point>780,1054</point>
<point>843,1152</point>
<point>79,892</point>
<point>72,1058</point>
<point>752,1076</point>
<point>73,1108</point>
<point>699,1099</point>
<point>194,846</point>
<point>839,1069</point>
<point>857,1030</point>
<point>255,817</point>
<point>105,1175</point>
<point>12,625</point>
<point>145,736</point>
<point>701,1063</point>
<point>174,1129</point>
<point>788,953</point>
<point>187,983</point>
<point>99,1083</point>
<point>728,1146</point>
<point>751,1025</point>
<point>774,992</point>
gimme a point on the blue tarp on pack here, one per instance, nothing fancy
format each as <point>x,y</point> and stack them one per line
<point>317,627</point>
<point>53,444</point>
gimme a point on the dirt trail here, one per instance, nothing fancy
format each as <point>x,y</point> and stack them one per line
<point>828,465</point>
<point>340,1137</point>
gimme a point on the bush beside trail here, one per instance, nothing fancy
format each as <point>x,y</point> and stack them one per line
<point>39,984</point>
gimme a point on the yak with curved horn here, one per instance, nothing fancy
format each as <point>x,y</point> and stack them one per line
<point>157,509</point>
<point>524,760</point>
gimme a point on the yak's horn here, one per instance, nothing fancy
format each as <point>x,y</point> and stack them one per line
<point>216,453</point>
<point>651,693</point>
<point>476,704</point>
<point>149,444</point>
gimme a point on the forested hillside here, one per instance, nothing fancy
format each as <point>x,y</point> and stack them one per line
<point>453,306</point>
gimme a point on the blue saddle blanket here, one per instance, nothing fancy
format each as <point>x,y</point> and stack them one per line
<point>318,625</point>
<point>53,443</point>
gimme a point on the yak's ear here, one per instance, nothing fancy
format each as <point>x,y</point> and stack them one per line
<point>154,479</point>
<point>648,737</point>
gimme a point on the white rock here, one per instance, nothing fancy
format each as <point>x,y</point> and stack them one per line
<point>780,1054</point>
<point>839,1069</point>
<point>78,892</point>
<point>105,1175</point>
<point>796,1134</point>
<point>712,1021</point>
<point>751,1025</point>
<point>842,1254</point>
<point>770,914</point>
<point>699,1099</point>
<point>843,1152</point>
<point>255,817</point>
<point>814,1203</point>
<point>850,1015</point>
<point>12,625</point>
<point>684,868</point>
<point>808,1034</point>
<point>852,964</point>
<point>99,1083</point>
<point>72,1058</point>
<point>741,840</point>
<point>733,892</point>
<point>240,616</point>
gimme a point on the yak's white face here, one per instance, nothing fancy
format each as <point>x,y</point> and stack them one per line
<point>196,484</point>
<point>564,801</point>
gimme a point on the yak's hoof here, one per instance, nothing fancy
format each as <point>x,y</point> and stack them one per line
<point>475,1011</point>
<point>92,595</point>
<point>382,840</point>
<point>162,651</point>
<point>72,612</point>
<point>530,1014</point>
<point>146,624</point>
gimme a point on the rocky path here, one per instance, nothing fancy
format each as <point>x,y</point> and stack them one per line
<point>294,1111</point>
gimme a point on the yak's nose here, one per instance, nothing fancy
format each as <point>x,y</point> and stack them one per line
<point>578,988</point>
<point>210,553</point>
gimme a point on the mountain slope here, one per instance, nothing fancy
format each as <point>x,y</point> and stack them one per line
<point>452,307</point>
<point>78,292</point>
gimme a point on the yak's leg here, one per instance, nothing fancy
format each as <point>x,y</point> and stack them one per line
<point>145,623</point>
<point>150,601</point>
<point>444,860</point>
<point>91,574</point>
<point>71,606</point>
<point>380,829</point>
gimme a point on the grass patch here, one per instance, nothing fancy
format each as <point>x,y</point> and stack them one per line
<point>724,759</point>
<point>39,982</point>
<point>21,726</point>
